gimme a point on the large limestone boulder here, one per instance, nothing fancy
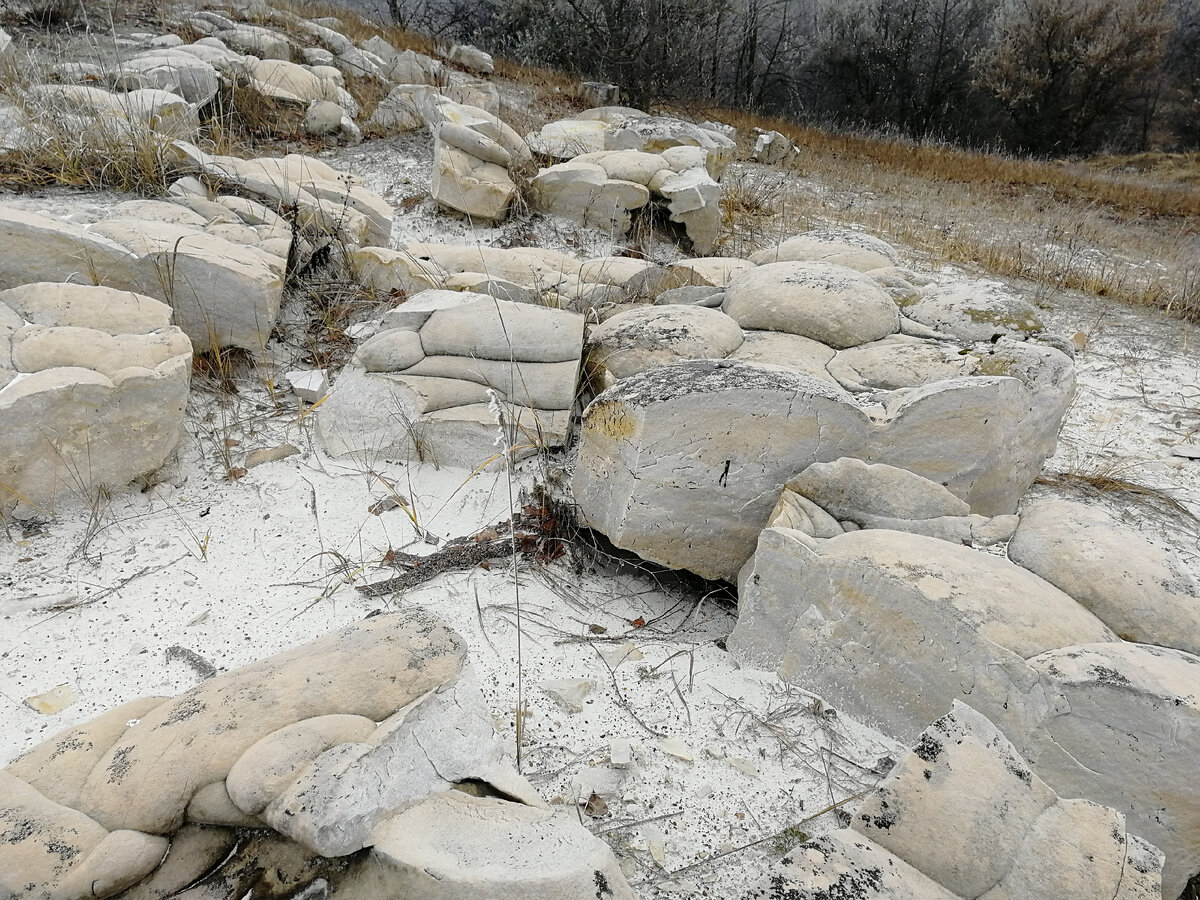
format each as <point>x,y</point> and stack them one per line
<point>962,815</point>
<point>1138,588</point>
<point>454,845</point>
<point>634,341</point>
<point>147,778</point>
<point>356,739</point>
<point>387,271</point>
<point>568,138</point>
<point>627,165</point>
<point>454,373</point>
<point>894,627</point>
<point>651,134</point>
<point>965,809</point>
<point>322,200</point>
<point>974,311</point>
<point>683,462</point>
<point>584,193</point>
<point>828,303</point>
<point>87,306</point>
<point>39,248</point>
<point>1122,730</point>
<point>838,246</point>
<point>223,294</point>
<point>92,390</point>
<point>467,184</point>
<point>171,69</point>
<point>743,430</point>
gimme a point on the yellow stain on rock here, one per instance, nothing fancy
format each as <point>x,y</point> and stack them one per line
<point>612,420</point>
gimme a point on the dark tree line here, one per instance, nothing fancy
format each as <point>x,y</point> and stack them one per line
<point>1038,76</point>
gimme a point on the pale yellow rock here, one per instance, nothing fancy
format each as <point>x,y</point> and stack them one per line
<point>53,701</point>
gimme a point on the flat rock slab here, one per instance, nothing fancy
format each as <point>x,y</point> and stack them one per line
<point>974,311</point>
<point>893,627</point>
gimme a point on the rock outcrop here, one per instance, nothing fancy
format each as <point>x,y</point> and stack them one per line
<point>682,464</point>
<point>963,816</point>
<point>326,744</point>
<point>93,387</point>
<point>461,379</point>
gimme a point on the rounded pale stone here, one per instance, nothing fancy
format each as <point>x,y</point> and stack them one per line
<point>1139,589</point>
<point>393,350</point>
<point>974,311</point>
<point>636,340</point>
<point>831,304</point>
<point>264,771</point>
<point>839,246</point>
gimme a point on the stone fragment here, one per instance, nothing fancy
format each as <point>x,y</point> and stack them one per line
<point>569,693</point>
<point>266,455</point>
<point>310,385</point>
<point>849,488</point>
<point>773,149</point>
<point>694,200</point>
<point>53,701</point>
<point>514,852</point>
<point>471,58</point>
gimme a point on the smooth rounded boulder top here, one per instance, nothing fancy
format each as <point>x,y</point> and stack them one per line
<point>828,303</point>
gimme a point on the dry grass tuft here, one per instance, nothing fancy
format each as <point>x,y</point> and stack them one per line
<point>1105,480</point>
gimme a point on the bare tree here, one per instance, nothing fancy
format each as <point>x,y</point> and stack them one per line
<point>898,63</point>
<point>1069,73</point>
